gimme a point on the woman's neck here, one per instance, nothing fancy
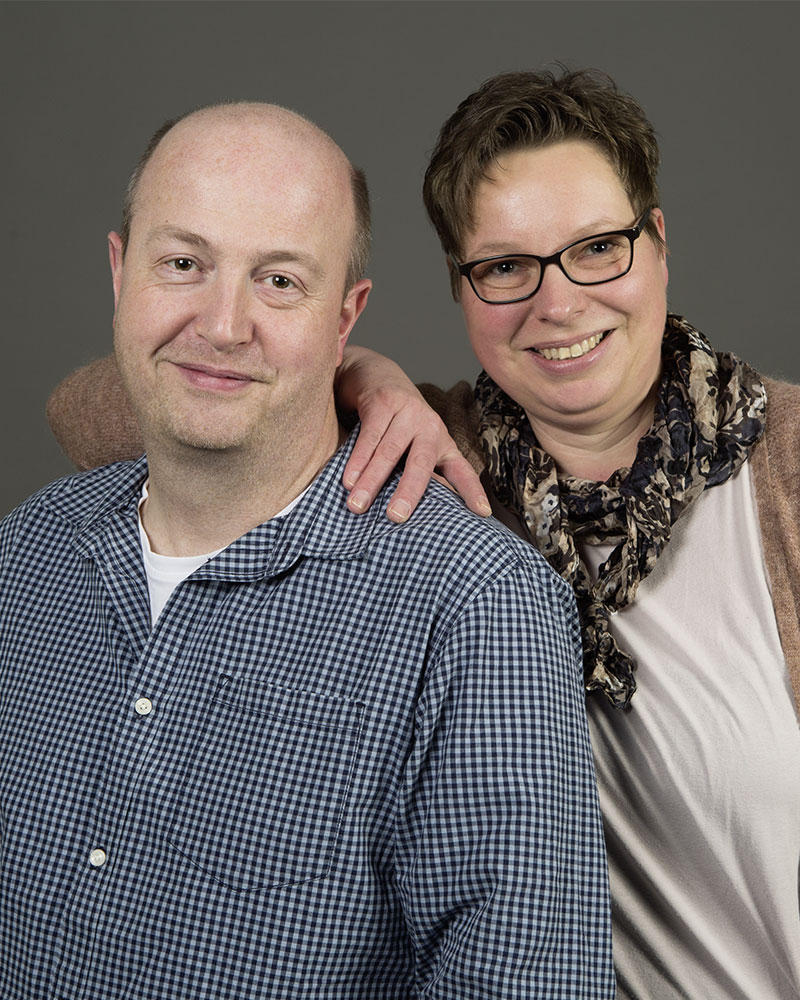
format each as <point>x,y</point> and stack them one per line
<point>595,453</point>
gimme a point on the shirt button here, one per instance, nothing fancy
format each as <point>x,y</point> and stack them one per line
<point>97,858</point>
<point>143,706</point>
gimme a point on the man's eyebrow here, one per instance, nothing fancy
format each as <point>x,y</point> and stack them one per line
<point>181,235</point>
<point>268,258</point>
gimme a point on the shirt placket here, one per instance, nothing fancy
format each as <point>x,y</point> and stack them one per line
<point>148,664</point>
<point>142,659</point>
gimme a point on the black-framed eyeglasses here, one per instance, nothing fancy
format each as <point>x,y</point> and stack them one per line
<point>593,260</point>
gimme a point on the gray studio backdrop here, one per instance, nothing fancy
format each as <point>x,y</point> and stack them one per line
<point>84,85</point>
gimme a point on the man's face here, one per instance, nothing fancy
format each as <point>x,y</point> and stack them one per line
<point>230,319</point>
<point>538,201</point>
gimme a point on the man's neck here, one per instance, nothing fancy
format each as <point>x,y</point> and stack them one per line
<point>202,501</point>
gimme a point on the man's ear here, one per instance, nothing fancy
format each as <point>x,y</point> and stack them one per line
<point>115,255</point>
<point>352,307</point>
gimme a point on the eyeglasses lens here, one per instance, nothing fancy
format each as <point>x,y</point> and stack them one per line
<point>599,259</point>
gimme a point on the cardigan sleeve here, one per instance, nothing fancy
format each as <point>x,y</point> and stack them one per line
<point>776,476</point>
<point>457,408</point>
<point>92,418</point>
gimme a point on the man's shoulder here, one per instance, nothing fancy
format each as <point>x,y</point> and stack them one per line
<point>75,497</point>
<point>444,530</point>
<point>453,566</point>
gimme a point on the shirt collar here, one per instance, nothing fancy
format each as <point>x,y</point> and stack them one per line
<point>319,525</point>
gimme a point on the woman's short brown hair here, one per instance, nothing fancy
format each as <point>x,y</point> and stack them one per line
<point>528,110</point>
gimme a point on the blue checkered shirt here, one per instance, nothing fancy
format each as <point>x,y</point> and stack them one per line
<point>349,761</point>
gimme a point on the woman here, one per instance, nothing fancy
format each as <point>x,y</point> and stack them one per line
<point>658,478</point>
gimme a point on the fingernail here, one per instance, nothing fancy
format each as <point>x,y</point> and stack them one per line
<point>358,500</point>
<point>352,479</point>
<point>399,510</point>
<point>485,506</point>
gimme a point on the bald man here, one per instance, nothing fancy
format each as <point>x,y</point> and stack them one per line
<point>252,745</point>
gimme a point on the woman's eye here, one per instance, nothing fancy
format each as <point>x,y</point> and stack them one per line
<point>496,269</point>
<point>604,247</point>
<point>505,267</point>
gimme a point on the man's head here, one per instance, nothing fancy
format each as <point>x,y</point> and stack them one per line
<point>516,111</point>
<point>234,279</point>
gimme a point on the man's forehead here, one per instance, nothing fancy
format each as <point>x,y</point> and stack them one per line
<point>262,134</point>
<point>250,155</point>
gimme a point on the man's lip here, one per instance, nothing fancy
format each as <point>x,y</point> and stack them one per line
<point>215,372</point>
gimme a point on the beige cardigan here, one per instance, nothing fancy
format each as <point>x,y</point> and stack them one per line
<point>94,424</point>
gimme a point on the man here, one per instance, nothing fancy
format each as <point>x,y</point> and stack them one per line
<point>253,745</point>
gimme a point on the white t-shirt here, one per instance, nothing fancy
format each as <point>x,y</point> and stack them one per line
<point>164,573</point>
<point>700,781</point>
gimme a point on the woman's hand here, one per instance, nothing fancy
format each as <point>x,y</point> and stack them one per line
<point>395,419</point>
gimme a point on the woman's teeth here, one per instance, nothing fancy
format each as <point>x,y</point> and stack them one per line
<point>574,351</point>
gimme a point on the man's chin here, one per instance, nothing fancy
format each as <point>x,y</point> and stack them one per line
<point>219,440</point>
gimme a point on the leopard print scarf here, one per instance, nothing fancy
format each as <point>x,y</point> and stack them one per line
<point>709,413</point>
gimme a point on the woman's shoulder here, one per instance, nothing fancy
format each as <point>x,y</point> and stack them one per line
<point>782,396</point>
<point>457,408</point>
<point>783,424</point>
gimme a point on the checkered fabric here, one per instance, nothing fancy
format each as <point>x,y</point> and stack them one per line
<point>349,761</point>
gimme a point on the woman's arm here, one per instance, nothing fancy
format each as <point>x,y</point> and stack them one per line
<point>395,419</point>
<point>94,423</point>
<point>92,418</point>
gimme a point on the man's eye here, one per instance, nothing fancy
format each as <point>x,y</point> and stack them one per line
<point>183,264</point>
<point>280,282</point>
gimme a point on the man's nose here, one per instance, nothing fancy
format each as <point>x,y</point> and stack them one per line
<point>225,320</point>
<point>558,299</point>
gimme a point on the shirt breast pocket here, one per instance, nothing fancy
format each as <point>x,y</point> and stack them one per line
<point>264,796</point>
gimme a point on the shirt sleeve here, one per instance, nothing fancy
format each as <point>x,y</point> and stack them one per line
<point>499,845</point>
<point>11,526</point>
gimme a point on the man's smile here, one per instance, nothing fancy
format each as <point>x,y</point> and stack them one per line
<point>218,379</point>
<point>216,372</point>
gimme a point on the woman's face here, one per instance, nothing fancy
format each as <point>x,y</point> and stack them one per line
<point>539,201</point>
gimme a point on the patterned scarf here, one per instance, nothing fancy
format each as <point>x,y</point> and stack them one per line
<point>709,413</point>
